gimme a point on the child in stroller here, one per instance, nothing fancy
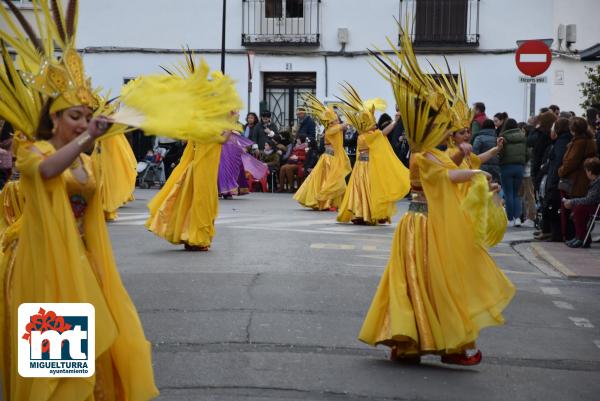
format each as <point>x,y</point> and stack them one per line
<point>151,170</point>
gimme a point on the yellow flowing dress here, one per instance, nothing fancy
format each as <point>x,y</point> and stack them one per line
<point>185,209</point>
<point>377,182</point>
<point>440,286</point>
<point>117,173</point>
<point>57,257</point>
<point>325,185</point>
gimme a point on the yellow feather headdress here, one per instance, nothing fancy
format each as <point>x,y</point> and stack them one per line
<point>421,99</point>
<point>324,114</point>
<point>44,75</point>
<point>359,113</point>
<point>189,103</point>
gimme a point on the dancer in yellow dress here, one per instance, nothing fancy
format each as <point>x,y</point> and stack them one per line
<point>325,186</point>
<point>185,209</point>
<point>117,173</point>
<point>378,178</point>
<point>59,250</point>
<point>440,286</point>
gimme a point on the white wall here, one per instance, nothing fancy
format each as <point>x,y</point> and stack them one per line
<point>492,78</point>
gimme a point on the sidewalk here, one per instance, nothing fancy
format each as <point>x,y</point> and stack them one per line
<point>571,262</point>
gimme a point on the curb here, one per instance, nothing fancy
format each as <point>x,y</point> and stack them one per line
<point>541,253</point>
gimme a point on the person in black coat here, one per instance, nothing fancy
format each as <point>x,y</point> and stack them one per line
<point>561,136</point>
<point>540,141</point>
<point>264,130</point>
<point>306,125</point>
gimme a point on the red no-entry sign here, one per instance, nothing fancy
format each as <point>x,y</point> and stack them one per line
<point>533,58</point>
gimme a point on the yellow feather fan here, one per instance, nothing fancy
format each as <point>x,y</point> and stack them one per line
<point>189,105</point>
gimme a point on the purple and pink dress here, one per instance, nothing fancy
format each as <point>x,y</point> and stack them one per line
<point>234,164</point>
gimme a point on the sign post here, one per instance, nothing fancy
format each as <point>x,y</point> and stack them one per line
<point>533,57</point>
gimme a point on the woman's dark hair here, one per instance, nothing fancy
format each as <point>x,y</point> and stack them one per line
<point>45,125</point>
<point>488,124</point>
<point>546,120</point>
<point>252,114</point>
<point>501,116</point>
<point>592,164</point>
<point>561,126</point>
<point>510,123</point>
<point>270,143</point>
<point>554,108</point>
<point>7,131</point>
<point>384,121</point>
<point>266,113</point>
<point>579,128</point>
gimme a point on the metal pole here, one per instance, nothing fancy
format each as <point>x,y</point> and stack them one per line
<point>223,38</point>
<point>525,114</point>
<point>532,100</point>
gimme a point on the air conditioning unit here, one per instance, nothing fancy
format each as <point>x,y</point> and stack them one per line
<point>571,34</point>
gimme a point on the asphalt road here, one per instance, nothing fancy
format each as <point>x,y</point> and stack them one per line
<point>272,312</point>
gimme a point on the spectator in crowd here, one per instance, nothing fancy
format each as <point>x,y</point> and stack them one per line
<point>251,125</point>
<point>527,192</point>
<point>271,158</point>
<point>312,156</point>
<point>592,116</point>
<point>478,119</point>
<point>555,109</point>
<point>306,125</point>
<point>574,181</point>
<point>265,130</point>
<point>393,129</point>
<point>565,114</point>
<point>544,110</point>
<point>583,208</point>
<point>539,140</point>
<point>486,139</point>
<point>174,152</point>
<point>6,153</point>
<point>499,121</point>
<point>512,164</point>
<point>551,202</point>
<point>294,166</point>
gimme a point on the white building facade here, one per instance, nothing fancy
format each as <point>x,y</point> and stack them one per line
<point>292,46</point>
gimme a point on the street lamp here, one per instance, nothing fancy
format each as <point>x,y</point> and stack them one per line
<point>223,38</point>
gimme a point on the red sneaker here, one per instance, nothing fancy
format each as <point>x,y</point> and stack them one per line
<point>462,359</point>
<point>332,209</point>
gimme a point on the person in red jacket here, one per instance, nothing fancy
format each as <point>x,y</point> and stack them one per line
<point>294,165</point>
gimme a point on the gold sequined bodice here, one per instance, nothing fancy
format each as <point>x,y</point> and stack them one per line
<point>80,192</point>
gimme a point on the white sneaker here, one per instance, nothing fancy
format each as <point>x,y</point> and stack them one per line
<point>528,223</point>
<point>511,223</point>
<point>518,222</point>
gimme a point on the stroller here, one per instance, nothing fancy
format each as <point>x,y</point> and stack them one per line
<point>151,170</point>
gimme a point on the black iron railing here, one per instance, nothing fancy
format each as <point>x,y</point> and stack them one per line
<point>442,22</point>
<point>275,22</point>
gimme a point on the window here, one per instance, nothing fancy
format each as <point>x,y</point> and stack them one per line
<point>23,3</point>
<point>293,8</point>
<point>442,22</point>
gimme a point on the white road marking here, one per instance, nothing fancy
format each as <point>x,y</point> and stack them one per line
<point>597,342</point>
<point>318,232</point>
<point>550,290</point>
<point>371,266</point>
<point>582,322</point>
<point>544,281</point>
<point>369,248</point>
<point>521,273</point>
<point>379,257</point>
<point>344,247</point>
<point>563,305</point>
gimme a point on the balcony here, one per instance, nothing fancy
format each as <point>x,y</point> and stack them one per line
<point>442,23</point>
<point>280,22</point>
